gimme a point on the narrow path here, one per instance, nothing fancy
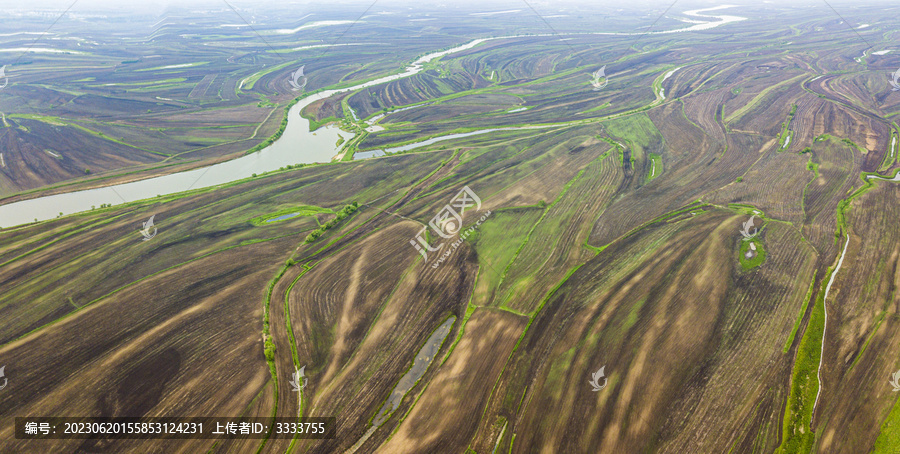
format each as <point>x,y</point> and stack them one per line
<point>825,328</point>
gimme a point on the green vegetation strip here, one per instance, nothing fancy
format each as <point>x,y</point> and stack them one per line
<point>248,83</point>
<point>279,132</point>
<point>785,131</point>
<point>790,339</point>
<point>269,350</point>
<point>341,215</point>
<point>762,94</point>
<point>797,436</point>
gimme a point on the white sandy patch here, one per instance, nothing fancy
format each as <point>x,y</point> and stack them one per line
<point>185,65</point>
<point>44,50</point>
<point>316,46</point>
<point>492,13</point>
<point>21,33</point>
<point>321,23</point>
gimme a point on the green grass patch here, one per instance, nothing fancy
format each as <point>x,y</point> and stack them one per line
<point>890,157</point>
<point>749,264</point>
<point>496,241</point>
<point>812,166</point>
<point>638,130</point>
<point>301,210</point>
<point>316,124</point>
<point>889,435</point>
<point>749,210</point>
<point>853,144</point>
<point>656,166</point>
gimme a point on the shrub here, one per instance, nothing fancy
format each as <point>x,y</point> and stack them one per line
<point>339,216</point>
<point>270,350</point>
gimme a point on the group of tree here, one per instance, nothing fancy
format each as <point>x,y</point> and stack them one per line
<point>341,215</point>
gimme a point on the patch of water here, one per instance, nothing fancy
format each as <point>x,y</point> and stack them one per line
<point>879,177</point>
<point>283,217</point>
<point>368,154</point>
<point>375,153</point>
<point>423,359</point>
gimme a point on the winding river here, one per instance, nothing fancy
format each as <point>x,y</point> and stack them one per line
<point>297,145</point>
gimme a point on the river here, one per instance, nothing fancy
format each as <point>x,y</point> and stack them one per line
<point>297,145</point>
